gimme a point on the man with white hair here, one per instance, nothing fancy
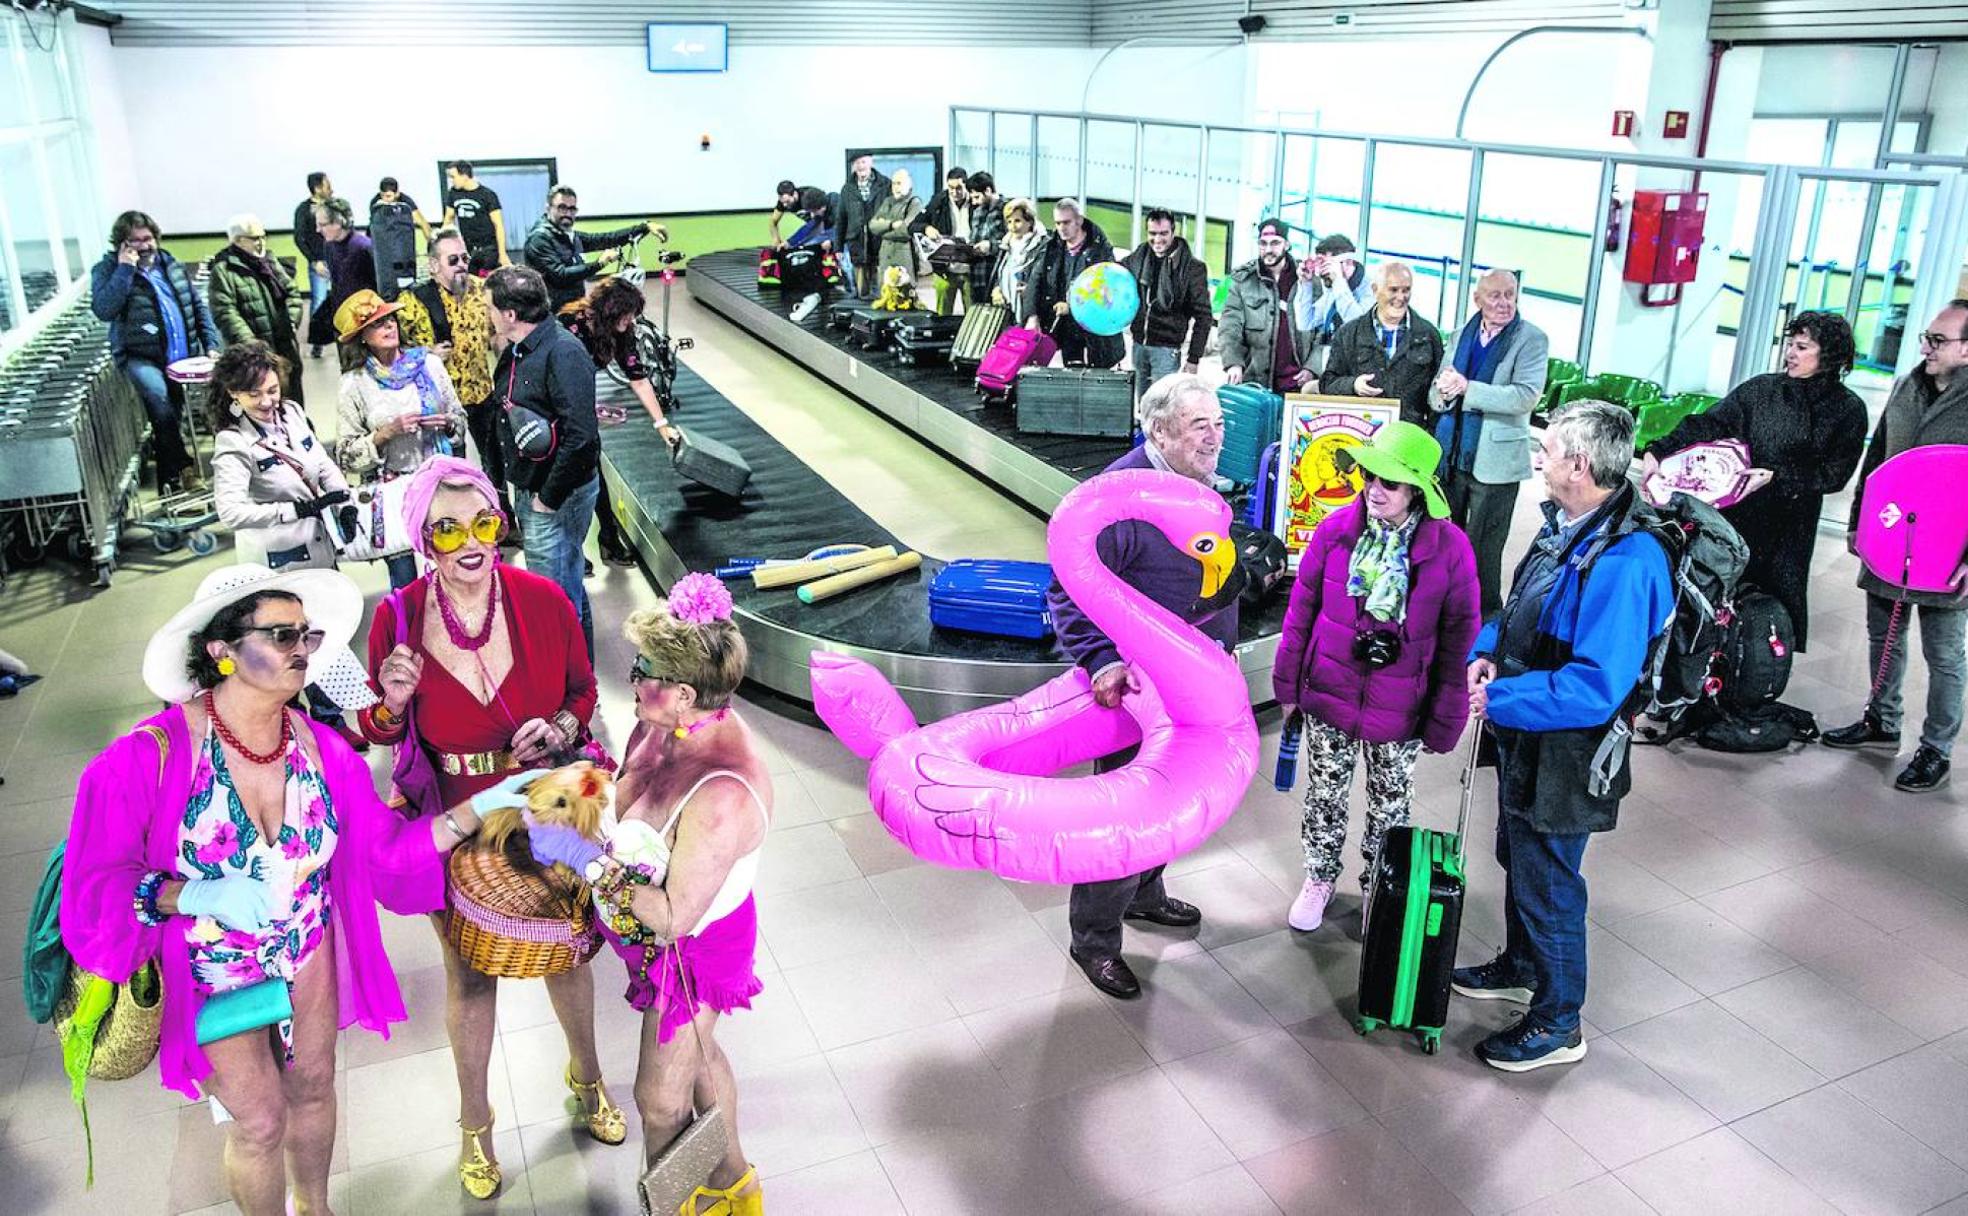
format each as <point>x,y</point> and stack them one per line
<point>1183,425</point>
<point>1077,244</point>
<point>252,297</point>
<point>1388,353</point>
<point>1483,398</point>
<point>1554,674</point>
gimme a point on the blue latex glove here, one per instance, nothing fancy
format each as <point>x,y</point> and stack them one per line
<point>556,842</point>
<point>508,794</point>
<point>236,901</point>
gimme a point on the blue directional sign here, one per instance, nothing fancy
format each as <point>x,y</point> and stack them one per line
<point>688,48</point>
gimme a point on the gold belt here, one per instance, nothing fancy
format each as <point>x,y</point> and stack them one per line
<point>476,764</point>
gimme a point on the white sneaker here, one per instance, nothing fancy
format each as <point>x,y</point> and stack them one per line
<point>804,309</point>
<point>1309,909</point>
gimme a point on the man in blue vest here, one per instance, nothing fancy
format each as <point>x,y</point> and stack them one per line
<point>1555,674</point>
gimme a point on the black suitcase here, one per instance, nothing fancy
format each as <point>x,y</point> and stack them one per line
<point>1075,401</point>
<point>393,241</point>
<point>712,463</point>
<point>1413,920</point>
<point>924,339</point>
<point>870,328</point>
<point>840,314</point>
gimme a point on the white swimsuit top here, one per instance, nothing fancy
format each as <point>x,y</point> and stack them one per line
<point>633,841</point>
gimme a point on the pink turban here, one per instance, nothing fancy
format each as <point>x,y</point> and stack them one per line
<point>423,487</point>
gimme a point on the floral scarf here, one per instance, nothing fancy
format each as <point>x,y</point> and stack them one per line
<point>1378,569</point>
<point>410,369</point>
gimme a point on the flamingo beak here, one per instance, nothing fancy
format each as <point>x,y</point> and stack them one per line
<point>1218,558</point>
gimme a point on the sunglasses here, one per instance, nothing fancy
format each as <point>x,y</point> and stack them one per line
<point>1385,483</point>
<point>449,535</point>
<point>457,259</point>
<point>640,670</point>
<point>287,637</point>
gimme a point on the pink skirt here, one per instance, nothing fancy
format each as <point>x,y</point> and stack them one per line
<point>717,962</point>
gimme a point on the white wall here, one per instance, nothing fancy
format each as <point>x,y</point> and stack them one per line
<point>108,119</point>
<point>627,139</point>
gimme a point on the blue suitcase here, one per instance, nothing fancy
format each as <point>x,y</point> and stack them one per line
<point>985,595</point>
<point>1252,418</point>
<point>1261,503</point>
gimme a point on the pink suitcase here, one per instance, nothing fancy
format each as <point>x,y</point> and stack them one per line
<point>1015,348</point>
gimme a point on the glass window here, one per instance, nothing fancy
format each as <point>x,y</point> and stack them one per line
<point>49,213</point>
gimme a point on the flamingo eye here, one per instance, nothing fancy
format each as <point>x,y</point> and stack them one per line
<point>1203,544</point>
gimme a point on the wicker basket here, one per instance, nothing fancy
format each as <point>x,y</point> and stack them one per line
<point>126,1038</point>
<point>510,918</point>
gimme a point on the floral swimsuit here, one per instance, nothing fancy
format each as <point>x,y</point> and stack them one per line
<point>218,839</point>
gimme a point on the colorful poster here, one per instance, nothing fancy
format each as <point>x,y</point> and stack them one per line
<point>1317,428</point>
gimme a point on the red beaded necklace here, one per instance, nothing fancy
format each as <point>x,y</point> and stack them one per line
<point>246,753</point>
<point>460,637</point>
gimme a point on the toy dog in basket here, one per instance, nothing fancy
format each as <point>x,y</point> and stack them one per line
<point>509,917</point>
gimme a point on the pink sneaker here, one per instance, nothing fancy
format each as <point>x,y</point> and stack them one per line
<point>1309,909</point>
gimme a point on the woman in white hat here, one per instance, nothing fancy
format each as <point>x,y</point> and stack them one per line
<point>236,843</point>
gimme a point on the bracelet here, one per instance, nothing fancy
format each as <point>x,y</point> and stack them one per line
<point>383,715</point>
<point>457,831</point>
<point>568,725</point>
<point>148,913</point>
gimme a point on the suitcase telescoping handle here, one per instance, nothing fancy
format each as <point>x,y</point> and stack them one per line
<point>1469,789</point>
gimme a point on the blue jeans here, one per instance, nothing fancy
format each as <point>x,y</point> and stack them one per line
<point>317,289</point>
<point>402,570</point>
<point>1944,644</point>
<point>1151,363</point>
<point>1544,916</point>
<point>167,445</point>
<point>552,541</point>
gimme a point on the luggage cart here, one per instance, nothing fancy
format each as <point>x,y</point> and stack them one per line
<point>184,517</point>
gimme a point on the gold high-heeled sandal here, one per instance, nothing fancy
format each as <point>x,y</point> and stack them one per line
<point>607,1124</point>
<point>729,1202</point>
<point>478,1175</point>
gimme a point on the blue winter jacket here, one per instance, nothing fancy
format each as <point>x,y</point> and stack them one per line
<point>1627,601</point>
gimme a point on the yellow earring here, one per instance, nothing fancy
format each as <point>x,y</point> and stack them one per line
<point>227,666</point>
<point>681,733</point>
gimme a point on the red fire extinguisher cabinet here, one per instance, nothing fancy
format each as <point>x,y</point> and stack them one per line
<point>1663,247</point>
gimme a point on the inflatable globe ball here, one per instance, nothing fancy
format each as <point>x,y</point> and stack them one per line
<point>1104,298</point>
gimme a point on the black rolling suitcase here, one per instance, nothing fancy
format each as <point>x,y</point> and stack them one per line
<point>840,314</point>
<point>713,464</point>
<point>924,339</point>
<point>871,328</point>
<point>393,241</point>
<point>1414,917</point>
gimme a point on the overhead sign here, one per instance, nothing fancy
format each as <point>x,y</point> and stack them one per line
<point>688,48</point>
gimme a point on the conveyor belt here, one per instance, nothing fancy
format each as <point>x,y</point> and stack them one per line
<point>789,510</point>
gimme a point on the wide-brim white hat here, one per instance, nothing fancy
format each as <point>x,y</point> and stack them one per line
<point>331,600</point>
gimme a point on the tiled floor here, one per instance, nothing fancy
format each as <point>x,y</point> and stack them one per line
<point>1778,1012</point>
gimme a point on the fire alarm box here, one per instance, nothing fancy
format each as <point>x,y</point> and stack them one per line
<point>1664,245</point>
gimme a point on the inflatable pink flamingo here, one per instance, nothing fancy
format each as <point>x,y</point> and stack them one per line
<point>976,791</point>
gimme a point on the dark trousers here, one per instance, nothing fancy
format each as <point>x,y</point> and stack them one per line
<point>1483,512</point>
<point>611,537</point>
<point>1078,348</point>
<point>1544,916</point>
<point>1095,910</point>
<point>482,420</point>
<point>163,401</point>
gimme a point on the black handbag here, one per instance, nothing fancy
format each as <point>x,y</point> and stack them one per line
<point>534,435</point>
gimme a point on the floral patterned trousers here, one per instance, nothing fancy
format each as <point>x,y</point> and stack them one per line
<point>1329,758</point>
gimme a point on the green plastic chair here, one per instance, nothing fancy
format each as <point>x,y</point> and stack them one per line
<point>1630,391</point>
<point>1658,419</point>
<point>1558,373</point>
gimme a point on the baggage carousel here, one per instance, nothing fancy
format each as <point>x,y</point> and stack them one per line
<point>789,510</point>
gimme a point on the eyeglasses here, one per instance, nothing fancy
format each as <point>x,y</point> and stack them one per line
<point>449,535</point>
<point>458,259</point>
<point>641,670</point>
<point>1938,339</point>
<point>287,637</point>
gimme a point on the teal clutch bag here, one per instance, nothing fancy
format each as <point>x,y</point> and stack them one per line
<point>229,1013</point>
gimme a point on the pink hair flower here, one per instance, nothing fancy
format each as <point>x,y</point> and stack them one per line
<point>699,599</point>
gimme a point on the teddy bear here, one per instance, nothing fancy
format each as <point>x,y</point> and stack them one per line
<point>896,295</point>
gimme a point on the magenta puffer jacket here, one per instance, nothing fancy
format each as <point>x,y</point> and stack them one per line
<point>1421,695</point>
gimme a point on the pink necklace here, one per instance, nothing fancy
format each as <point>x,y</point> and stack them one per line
<point>455,628</point>
<point>684,732</point>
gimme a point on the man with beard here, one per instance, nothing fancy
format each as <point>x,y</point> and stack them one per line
<point>1261,342</point>
<point>1175,303</point>
<point>252,297</point>
<point>450,313</point>
<point>987,233</point>
<point>1077,244</point>
<point>558,252</point>
<point>864,191</point>
<point>1389,352</point>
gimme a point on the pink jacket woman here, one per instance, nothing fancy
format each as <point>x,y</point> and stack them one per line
<point>126,823</point>
<point>1423,694</point>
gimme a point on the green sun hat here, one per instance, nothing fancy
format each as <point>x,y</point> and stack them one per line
<point>1403,452</point>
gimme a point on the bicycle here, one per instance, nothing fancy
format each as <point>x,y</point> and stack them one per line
<point>654,345</point>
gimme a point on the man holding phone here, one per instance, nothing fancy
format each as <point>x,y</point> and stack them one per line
<point>1336,291</point>
<point>156,318</point>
